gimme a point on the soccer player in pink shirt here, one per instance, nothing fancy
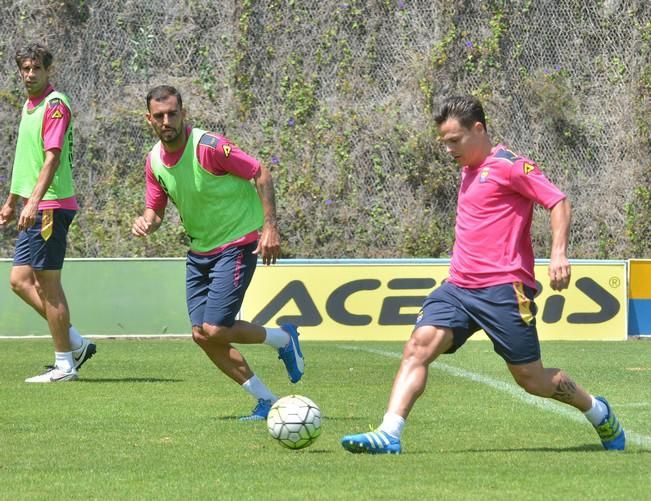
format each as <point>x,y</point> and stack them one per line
<point>42,181</point>
<point>491,284</point>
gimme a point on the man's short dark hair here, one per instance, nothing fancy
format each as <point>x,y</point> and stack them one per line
<point>466,109</point>
<point>161,93</point>
<point>36,52</point>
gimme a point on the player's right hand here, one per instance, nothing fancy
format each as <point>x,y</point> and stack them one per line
<point>141,227</point>
<point>6,214</point>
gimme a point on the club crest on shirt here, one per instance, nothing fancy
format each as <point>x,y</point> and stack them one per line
<point>227,149</point>
<point>527,167</point>
<point>483,176</point>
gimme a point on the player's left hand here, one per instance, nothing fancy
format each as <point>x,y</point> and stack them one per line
<point>27,216</point>
<point>269,244</point>
<point>559,273</point>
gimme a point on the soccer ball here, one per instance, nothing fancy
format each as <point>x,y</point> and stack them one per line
<point>295,421</point>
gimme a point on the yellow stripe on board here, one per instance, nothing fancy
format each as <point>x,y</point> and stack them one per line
<point>640,279</point>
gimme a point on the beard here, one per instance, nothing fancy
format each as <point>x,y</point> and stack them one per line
<point>170,135</point>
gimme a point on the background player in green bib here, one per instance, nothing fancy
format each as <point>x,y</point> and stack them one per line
<point>226,202</point>
<point>42,180</point>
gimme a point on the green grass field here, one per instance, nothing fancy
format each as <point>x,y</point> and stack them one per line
<point>152,419</point>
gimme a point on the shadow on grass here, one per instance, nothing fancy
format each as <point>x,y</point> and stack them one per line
<point>323,418</point>
<point>311,450</point>
<point>129,380</point>
<point>577,448</point>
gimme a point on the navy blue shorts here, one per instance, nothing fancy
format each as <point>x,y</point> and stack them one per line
<point>505,312</point>
<point>215,285</point>
<point>43,246</point>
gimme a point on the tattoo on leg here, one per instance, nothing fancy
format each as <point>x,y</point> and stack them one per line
<point>566,390</point>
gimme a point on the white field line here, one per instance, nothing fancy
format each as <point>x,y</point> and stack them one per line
<point>115,336</point>
<point>514,391</point>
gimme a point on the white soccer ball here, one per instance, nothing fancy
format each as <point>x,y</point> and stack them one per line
<point>295,421</point>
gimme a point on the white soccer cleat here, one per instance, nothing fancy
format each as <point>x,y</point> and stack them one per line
<point>86,351</point>
<point>53,375</point>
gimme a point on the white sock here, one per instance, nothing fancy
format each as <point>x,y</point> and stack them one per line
<point>63,360</point>
<point>75,338</point>
<point>393,424</point>
<point>258,390</point>
<point>276,337</point>
<point>597,412</point>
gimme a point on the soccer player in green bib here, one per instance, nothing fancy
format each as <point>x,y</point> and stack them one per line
<point>42,180</point>
<point>226,202</point>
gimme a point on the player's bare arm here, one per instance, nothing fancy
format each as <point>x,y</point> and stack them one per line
<point>269,243</point>
<point>148,223</point>
<point>28,215</point>
<point>8,210</point>
<point>559,265</point>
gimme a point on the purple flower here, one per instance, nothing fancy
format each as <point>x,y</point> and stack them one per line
<point>468,44</point>
<point>328,202</point>
<point>344,6</point>
<point>401,4</point>
<point>545,71</point>
<point>291,122</point>
<point>274,159</point>
<point>558,67</point>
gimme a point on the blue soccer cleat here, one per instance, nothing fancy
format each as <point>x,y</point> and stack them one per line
<point>291,354</point>
<point>373,442</point>
<point>260,411</point>
<point>610,430</point>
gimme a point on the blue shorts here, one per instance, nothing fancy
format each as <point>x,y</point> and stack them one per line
<point>505,312</point>
<point>215,285</point>
<point>43,246</point>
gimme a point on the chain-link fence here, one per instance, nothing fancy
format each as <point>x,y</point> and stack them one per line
<point>337,99</point>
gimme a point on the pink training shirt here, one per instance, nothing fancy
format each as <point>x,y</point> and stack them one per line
<point>55,123</point>
<point>220,157</point>
<point>494,212</point>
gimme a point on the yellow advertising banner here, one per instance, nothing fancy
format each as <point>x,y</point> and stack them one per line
<point>639,281</point>
<point>372,300</point>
